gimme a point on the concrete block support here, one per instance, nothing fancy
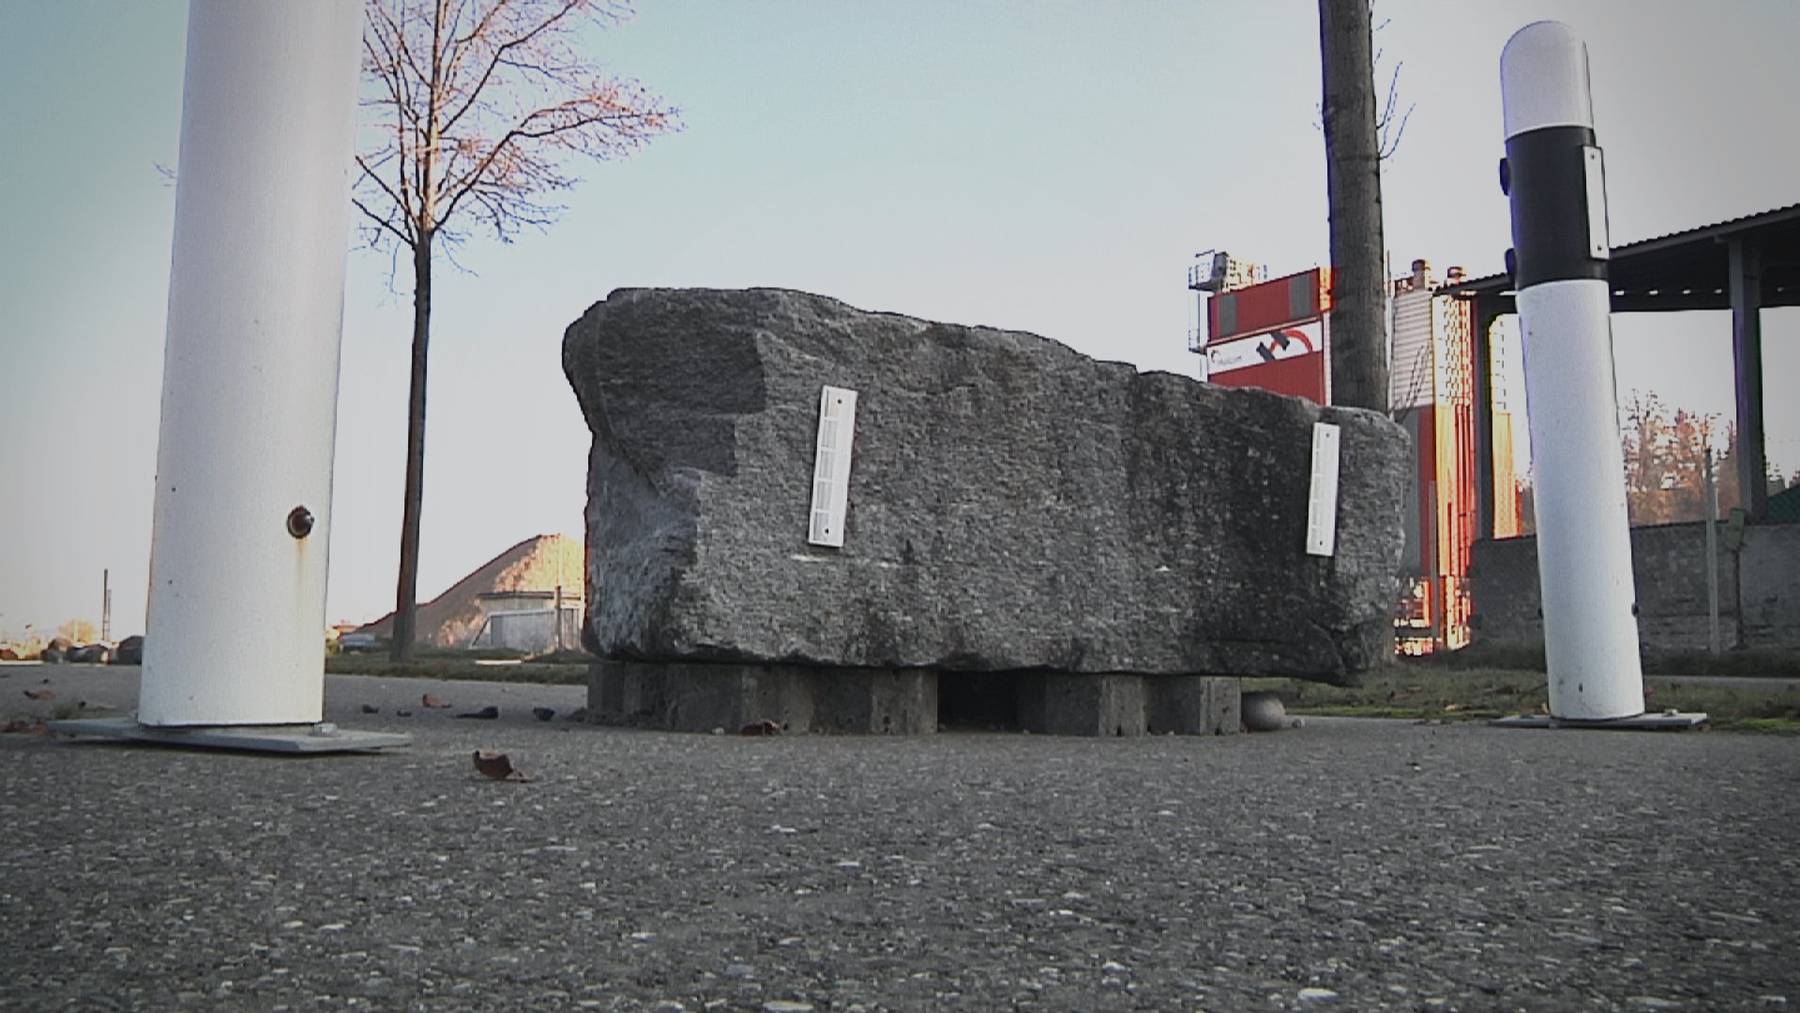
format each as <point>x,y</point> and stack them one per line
<point>700,696</point>
<point>1065,704</point>
<point>1104,705</point>
<point>875,701</point>
<point>1192,705</point>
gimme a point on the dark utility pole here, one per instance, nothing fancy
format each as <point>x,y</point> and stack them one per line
<point>1359,367</point>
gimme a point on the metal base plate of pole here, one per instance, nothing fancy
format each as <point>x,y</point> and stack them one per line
<point>1666,721</point>
<point>323,737</point>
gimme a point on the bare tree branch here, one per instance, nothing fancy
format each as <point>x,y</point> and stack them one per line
<point>374,177</point>
<point>1390,134</point>
<point>501,50</point>
<point>381,223</point>
<point>599,124</point>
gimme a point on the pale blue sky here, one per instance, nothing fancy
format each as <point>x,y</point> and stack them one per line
<point>1044,165</point>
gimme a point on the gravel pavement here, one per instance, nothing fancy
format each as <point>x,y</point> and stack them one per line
<point>1348,865</point>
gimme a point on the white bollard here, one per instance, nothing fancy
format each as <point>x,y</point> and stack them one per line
<point>1554,175</point>
<point>236,613</point>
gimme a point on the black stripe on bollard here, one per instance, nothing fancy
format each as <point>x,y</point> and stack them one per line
<point>1548,175</point>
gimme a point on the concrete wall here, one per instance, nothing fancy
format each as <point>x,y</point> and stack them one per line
<point>1759,588</point>
<point>1769,585</point>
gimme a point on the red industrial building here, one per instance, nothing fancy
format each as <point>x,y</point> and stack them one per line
<point>1275,334</point>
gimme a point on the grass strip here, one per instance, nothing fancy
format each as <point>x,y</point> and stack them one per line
<point>553,673</point>
<point>1436,692</point>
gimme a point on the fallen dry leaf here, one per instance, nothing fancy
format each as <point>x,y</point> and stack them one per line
<point>41,694</point>
<point>434,702</point>
<point>28,727</point>
<point>498,766</point>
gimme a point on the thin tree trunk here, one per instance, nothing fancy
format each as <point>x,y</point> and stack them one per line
<point>406,593</point>
<point>1359,367</point>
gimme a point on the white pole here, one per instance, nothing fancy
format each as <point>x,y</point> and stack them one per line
<point>236,611</point>
<point>1555,177</point>
<point>1712,556</point>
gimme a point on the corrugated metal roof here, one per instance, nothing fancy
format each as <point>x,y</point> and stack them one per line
<point>1742,223</point>
<point>1688,270</point>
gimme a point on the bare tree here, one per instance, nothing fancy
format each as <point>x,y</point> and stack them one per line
<point>1353,153</point>
<point>478,106</point>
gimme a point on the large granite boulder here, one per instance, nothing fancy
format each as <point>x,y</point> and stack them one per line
<point>1013,504</point>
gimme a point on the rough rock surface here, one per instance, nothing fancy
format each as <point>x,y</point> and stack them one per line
<point>1013,503</point>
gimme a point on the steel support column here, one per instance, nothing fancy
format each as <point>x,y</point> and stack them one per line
<point>1745,286</point>
<point>1481,319</point>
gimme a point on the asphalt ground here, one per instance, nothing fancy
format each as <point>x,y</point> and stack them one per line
<point>1348,864</point>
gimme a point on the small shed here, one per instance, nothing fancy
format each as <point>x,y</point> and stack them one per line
<point>530,621</point>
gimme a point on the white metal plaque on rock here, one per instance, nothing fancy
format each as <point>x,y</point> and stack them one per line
<point>831,466</point>
<point>1321,504</point>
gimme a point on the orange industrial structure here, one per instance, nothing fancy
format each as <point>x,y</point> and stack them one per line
<point>1276,335</point>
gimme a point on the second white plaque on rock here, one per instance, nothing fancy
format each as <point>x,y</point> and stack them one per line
<point>831,466</point>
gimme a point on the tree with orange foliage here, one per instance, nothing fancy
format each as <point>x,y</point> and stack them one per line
<point>478,106</point>
<point>1665,462</point>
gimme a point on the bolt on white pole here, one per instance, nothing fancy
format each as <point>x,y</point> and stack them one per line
<point>236,613</point>
<point>1554,175</point>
